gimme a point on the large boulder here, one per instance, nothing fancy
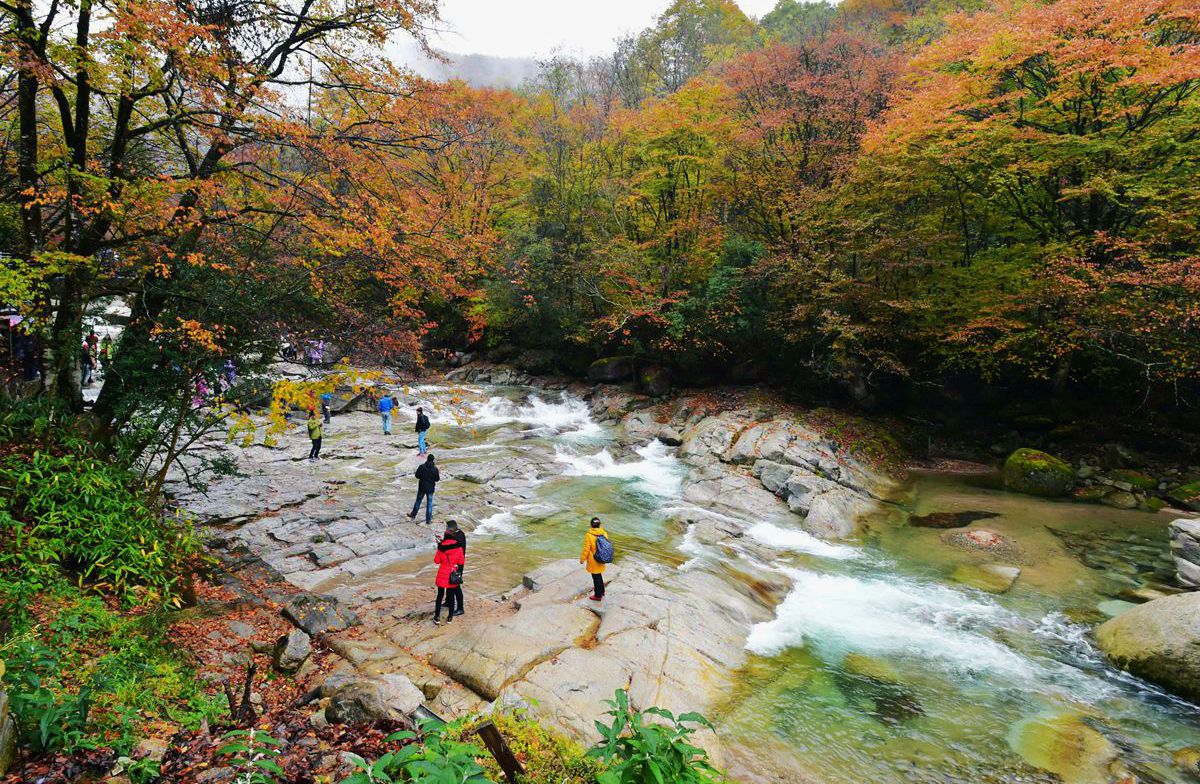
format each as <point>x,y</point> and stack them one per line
<point>710,438</point>
<point>316,614</point>
<point>835,514</point>
<point>609,370</point>
<point>291,651</point>
<point>360,700</point>
<point>655,380</point>
<point>1158,641</point>
<point>485,658</point>
<point>1067,746</point>
<point>1033,472</point>
<point>1185,549</point>
<point>1186,496</point>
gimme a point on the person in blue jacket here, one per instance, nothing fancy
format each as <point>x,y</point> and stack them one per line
<point>327,406</point>
<point>385,413</point>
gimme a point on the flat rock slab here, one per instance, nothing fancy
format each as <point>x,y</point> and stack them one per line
<point>487,657</point>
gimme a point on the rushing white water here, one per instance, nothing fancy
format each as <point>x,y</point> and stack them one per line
<point>499,524</point>
<point>568,417</point>
<point>800,541</point>
<point>658,471</point>
<point>838,613</point>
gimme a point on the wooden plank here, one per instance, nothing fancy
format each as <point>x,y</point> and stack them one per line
<point>498,746</point>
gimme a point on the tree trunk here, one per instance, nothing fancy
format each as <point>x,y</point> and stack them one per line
<point>66,341</point>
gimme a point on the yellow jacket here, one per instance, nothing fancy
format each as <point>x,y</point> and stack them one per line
<point>588,555</point>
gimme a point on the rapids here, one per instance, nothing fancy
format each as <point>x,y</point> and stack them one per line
<point>875,666</point>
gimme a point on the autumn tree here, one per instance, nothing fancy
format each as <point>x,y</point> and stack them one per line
<point>144,125</point>
<point>1029,209</point>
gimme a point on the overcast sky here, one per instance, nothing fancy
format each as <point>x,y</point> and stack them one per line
<point>535,28</point>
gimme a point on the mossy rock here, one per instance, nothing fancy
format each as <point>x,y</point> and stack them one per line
<point>1154,504</point>
<point>1091,493</point>
<point>992,578</point>
<point>613,369</point>
<point>871,668</point>
<point>1188,496</point>
<point>1066,746</point>
<point>1158,641</point>
<point>1140,481</point>
<point>1034,472</point>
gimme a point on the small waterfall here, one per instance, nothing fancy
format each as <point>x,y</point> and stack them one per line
<point>657,472</point>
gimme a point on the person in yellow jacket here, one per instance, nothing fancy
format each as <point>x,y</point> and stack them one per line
<point>588,556</point>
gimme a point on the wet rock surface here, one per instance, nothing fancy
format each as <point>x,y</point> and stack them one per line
<point>1158,641</point>
<point>338,530</point>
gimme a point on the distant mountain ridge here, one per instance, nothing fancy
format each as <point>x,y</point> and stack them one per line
<point>477,70</point>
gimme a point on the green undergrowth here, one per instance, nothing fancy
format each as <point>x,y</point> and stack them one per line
<point>81,675</point>
<point>69,511</point>
<point>548,757</point>
<point>88,571</point>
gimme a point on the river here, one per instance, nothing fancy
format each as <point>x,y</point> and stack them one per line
<point>872,663</point>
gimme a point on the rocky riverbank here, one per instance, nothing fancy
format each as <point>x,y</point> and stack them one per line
<point>729,507</point>
<point>672,633</point>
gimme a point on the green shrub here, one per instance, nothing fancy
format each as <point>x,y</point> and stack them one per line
<point>91,678</point>
<point>548,757</point>
<point>434,757</point>
<point>638,751</point>
<point>67,510</point>
<point>253,754</point>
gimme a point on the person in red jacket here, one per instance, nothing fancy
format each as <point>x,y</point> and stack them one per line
<point>450,558</point>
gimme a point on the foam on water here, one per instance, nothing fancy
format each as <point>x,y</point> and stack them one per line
<point>838,614</point>
<point>570,416</point>
<point>499,524</point>
<point>800,541</point>
<point>658,471</point>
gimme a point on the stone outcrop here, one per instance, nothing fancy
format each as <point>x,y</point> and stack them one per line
<point>1185,550</point>
<point>612,369</point>
<point>357,700</point>
<point>744,462</point>
<point>317,614</point>
<point>1158,641</point>
<point>291,651</point>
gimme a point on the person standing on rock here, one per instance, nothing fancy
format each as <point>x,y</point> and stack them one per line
<point>385,413</point>
<point>326,406</point>
<point>450,558</point>
<point>597,553</point>
<point>460,540</point>
<point>422,429</point>
<point>427,478</point>
<point>315,432</point>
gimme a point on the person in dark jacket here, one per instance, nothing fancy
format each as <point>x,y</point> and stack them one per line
<point>450,556</point>
<point>460,540</point>
<point>427,478</point>
<point>422,429</point>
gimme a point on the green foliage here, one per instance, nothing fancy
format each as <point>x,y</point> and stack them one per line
<point>66,510</point>
<point>548,757</point>
<point>433,757</point>
<point>87,677</point>
<point>639,749</point>
<point>253,753</point>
